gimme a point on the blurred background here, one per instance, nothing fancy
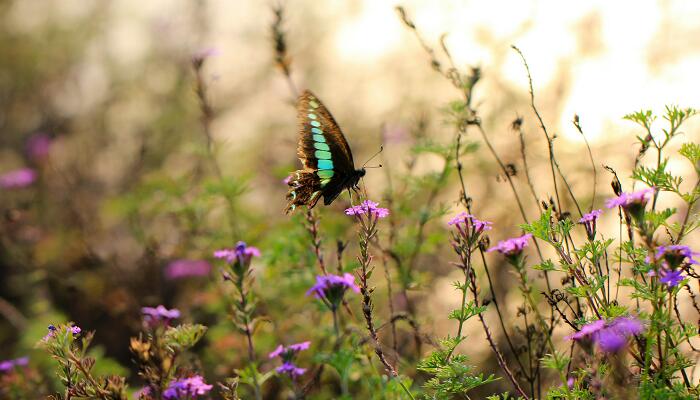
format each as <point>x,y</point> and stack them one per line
<point>115,181</point>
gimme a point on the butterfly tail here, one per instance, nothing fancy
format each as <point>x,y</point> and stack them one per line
<point>304,189</point>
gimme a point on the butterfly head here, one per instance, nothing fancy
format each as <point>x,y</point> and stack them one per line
<point>359,173</point>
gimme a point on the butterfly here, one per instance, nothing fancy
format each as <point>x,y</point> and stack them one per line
<point>325,155</point>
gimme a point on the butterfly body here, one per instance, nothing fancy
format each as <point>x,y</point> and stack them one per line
<point>325,154</point>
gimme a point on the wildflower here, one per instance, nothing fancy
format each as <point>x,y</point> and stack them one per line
<point>153,317</point>
<point>52,332</point>
<point>331,288</point>
<point>184,268</point>
<point>37,146</point>
<point>589,222</point>
<point>18,178</point>
<point>513,247</point>
<point>675,254</point>
<point>9,365</point>
<point>670,277</point>
<point>75,329</point>
<point>287,179</point>
<point>368,207</point>
<point>287,354</point>
<point>634,203</point>
<point>290,369</point>
<point>241,254</point>
<point>469,227</point>
<point>610,337</point>
<point>187,388</point>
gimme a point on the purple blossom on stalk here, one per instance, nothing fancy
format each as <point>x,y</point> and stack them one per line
<point>290,369</point>
<point>157,316</point>
<point>184,268</point>
<point>368,207</point>
<point>18,178</point>
<point>633,203</point>
<point>676,253</point>
<point>242,254</point>
<point>53,331</point>
<point>326,285</point>
<point>9,365</point>
<point>469,226</point>
<point>589,221</point>
<point>187,388</point>
<point>610,337</point>
<point>671,278</point>
<point>512,247</point>
<point>287,354</point>
<point>38,146</point>
<point>626,200</point>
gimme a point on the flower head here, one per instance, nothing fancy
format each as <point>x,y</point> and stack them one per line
<point>368,207</point>
<point>9,365</point>
<point>626,200</point>
<point>242,253</point>
<point>18,178</point>
<point>589,221</point>
<point>331,288</point>
<point>157,316</point>
<point>511,247</point>
<point>290,369</point>
<point>610,337</point>
<point>185,268</point>
<point>469,227</point>
<point>670,277</point>
<point>676,253</point>
<point>187,388</point>
<point>37,146</point>
<point>287,354</point>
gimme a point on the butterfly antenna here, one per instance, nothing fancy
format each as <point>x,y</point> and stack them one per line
<point>381,148</point>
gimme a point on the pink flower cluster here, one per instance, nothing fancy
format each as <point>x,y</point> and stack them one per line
<point>368,207</point>
<point>610,337</point>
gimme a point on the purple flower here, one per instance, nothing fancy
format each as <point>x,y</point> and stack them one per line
<point>331,287</point>
<point>676,253</point>
<point>469,227</point>
<point>18,178</point>
<point>185,268</point>
<point>53,331</point>
<point>610,341</point>
<point>287,179</point>
<point>37,146</point>
<point>242,253</point>
<point>153,317</point>
<point>589,222</point>
<point>588,330</point>
<point>610,337</point>
<point>368,207</point>
<point>591,216</point>
<point>9,365</point>
<point>626,200</point>
<point>670,277</point>
<point>186,388</point>
<point>511,247</point>
<point>287,354</point>
<point>290,369</point>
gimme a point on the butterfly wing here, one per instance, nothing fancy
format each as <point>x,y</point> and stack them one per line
<point>323,148</point>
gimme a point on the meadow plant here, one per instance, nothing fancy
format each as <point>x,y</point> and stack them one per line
<point>590,296</point>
